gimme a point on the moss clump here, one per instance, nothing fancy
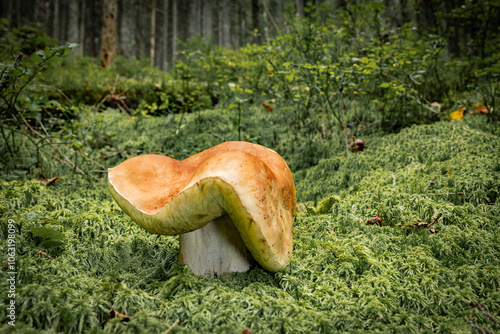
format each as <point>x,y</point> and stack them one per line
<point>344,276</point>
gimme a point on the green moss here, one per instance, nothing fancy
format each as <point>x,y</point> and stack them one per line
<point>344,276</point>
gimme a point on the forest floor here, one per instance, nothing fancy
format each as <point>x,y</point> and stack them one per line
<point>402,237</point>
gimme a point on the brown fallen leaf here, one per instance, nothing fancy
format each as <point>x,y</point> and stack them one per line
<point>377,220</point>
<point>51,181</point>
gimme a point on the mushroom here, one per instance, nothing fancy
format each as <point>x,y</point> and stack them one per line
<point>230,204</point>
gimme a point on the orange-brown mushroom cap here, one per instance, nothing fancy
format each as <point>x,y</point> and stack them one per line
<point>250,183</point>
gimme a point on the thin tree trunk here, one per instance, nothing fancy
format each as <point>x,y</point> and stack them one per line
<point>153,32</point>
<point>166,35</point>
<point>128,29</point>
<point>73,23</point>
<point>225,23</point>
<point>55,21</point>
<point>299,7</point>
<point>174,29</point>
<point>255,20</point>
<point>108,41</point>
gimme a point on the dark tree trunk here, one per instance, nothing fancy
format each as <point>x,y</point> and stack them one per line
<point>109,36</point>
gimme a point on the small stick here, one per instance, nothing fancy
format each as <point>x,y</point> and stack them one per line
<point>67,161</point>
<point>431,182</point>
<point>216,135</point>
<point>489,269</point>
<point>445,194</point>
<point>172,327</point>
<point>480,307</point>
<point>393,179</point>
<point>479,329</point>
<point>420,251</point>
<point>42,253</point>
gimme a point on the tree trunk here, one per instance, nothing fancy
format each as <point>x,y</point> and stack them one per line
<point>128,29</point>
<point>108,41</point>
<point>153,32</point>
<point>207,20</point>
<point>73,24</point>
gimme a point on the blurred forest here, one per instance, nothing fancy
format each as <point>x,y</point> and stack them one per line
<point>152,28</point>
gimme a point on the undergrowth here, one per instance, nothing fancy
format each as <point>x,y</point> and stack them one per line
<point>346,275</point>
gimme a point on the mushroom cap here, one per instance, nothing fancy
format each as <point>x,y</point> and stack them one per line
<point>249,182</point>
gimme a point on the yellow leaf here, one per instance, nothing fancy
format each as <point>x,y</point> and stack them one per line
<point>458,114</point>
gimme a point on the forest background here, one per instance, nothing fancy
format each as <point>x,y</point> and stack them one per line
<point>385,110</point>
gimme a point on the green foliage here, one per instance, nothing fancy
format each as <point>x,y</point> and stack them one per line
<point>133,86</point>
<point>16,105</point>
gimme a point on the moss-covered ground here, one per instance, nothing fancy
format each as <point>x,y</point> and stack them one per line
<point>400,237</point>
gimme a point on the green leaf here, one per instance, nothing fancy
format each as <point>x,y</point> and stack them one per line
<point>32,216</point>
<point>47,233</point>
<point>287,64</point>
<point>52,243</point>
<point>231,107</point>
<point>290,77</point>
<point>384,85</point>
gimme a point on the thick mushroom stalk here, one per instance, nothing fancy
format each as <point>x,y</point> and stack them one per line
<point>237,197</point>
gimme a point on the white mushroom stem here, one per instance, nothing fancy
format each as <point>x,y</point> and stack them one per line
<point>216,249</point>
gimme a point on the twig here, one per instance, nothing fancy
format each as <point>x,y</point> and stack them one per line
<point>42,253</point>
<point>489,270</point>
<point>172,327</point>
<point>420,251</point>
<point>480,307</point>
<point>58,90</point>
<point>445,194</point>
<point>70,165</point>
<point>477,328</point>
<point>216,135</point>
<point>67,161</point>
<point>431,182</point>
<point>393,179</point>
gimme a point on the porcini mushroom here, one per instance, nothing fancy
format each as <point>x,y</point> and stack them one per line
<point>228,201</point>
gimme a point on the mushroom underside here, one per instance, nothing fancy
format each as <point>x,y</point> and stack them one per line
<point>216,249</point>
